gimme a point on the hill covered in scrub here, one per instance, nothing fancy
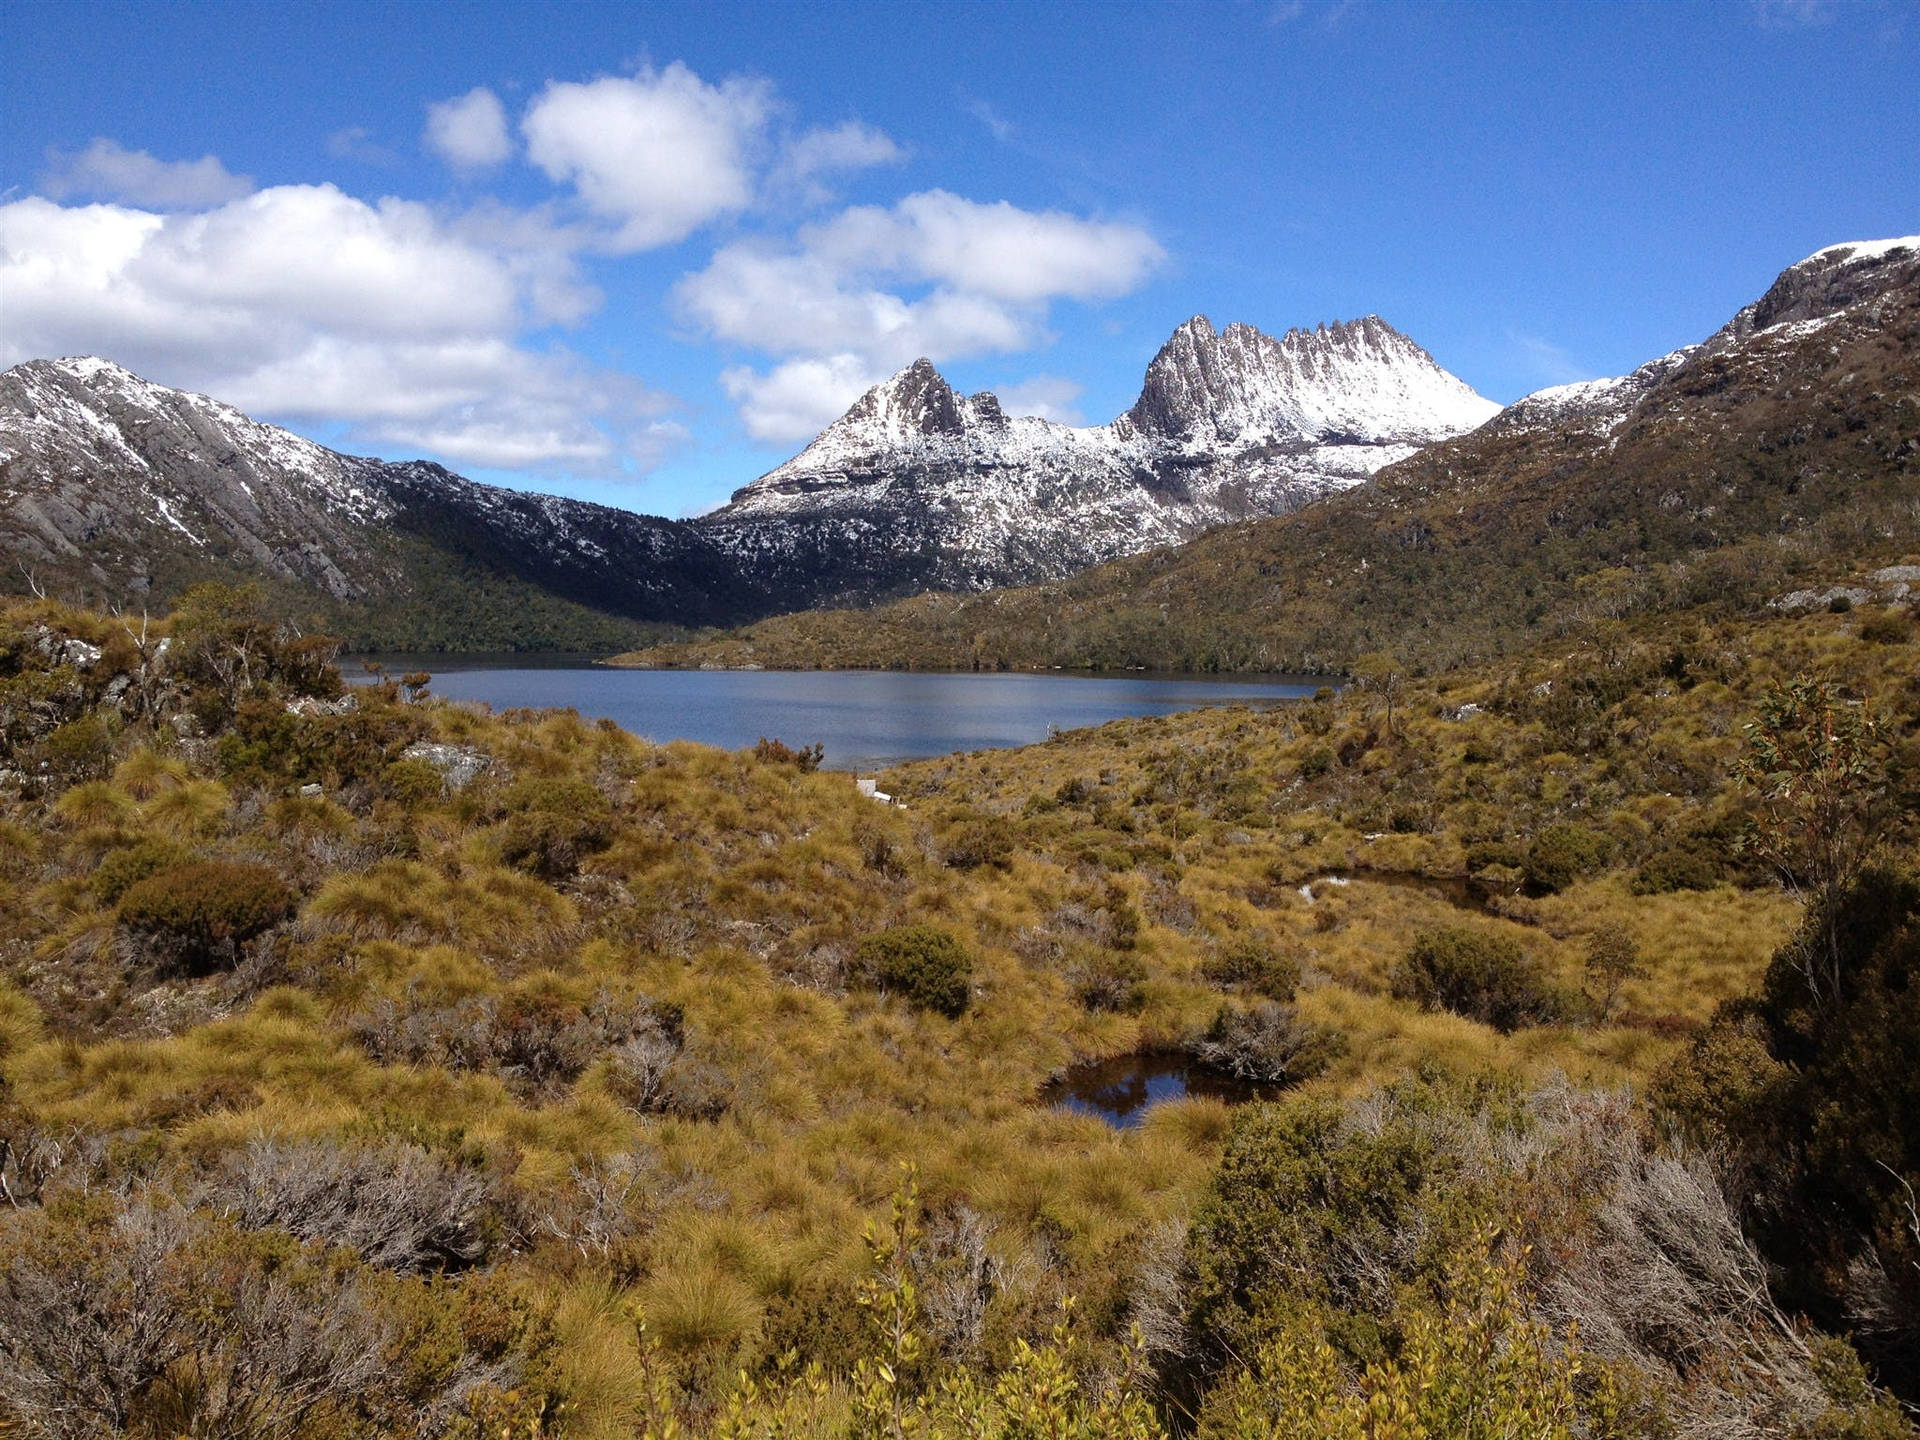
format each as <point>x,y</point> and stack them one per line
<point>371,1065</point>
<point>1784,446</point>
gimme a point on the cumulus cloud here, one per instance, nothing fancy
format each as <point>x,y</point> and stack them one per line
<point>302,302</point>
<point>107,170</point>
<point>799,398</point>
<point>469,132</point>
<point>868,290</point>
<point>996,250</point>
<point>659,154</point>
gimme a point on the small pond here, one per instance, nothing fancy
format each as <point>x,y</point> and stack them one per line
<point>1122,1089</point>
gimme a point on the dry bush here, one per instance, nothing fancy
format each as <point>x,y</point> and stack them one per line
<point>198,917</point>
<point>400,1207</point>
<point>144,1322</point>
<point>539,1044</point>
<point>1268,1044</point>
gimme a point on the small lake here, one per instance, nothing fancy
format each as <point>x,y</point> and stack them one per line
<point>1122,1089</point>
<point>866,719</point>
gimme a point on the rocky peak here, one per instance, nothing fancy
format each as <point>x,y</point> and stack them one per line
<point>1825,283</point>
<point>917,400</point>
<point>1355,378</point>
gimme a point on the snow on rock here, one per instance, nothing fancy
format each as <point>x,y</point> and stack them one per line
<point>1229,425</point>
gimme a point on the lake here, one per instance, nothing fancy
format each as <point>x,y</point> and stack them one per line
<point>866,719</point>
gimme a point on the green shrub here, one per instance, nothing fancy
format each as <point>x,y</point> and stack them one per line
<point>79,749</point>
<point>1253,966</point>
<point>1488,853</point>
<point>412,784</point>
<point>1561,854</point>
<point>120,870</point>
<point>1682,867</point>
<point>1485,977</point>
<point>1316,762</point>
<point>921,963</point>
<point>198,916</point>
<point>554,824</point>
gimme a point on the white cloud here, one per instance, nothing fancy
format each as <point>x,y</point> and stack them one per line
<point>806,159</point>
<point>301,302</point>
<point>865,292</point>
<point>470,132</point>
<point>1051,397</point>
<point>800,398</point>
<point>107,170</point>
<point>998,250</point>
<point>659,155</point>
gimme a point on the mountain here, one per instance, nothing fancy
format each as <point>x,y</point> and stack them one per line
<point>115,490</point>
<point>1784,448</point>
<point>920,487</point>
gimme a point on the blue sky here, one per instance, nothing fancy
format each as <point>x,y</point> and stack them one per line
<point>638,254</point>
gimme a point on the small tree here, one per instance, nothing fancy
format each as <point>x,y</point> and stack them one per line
<point>1612,959</point>
<point>1381,674</point>
<point>1815,765</point>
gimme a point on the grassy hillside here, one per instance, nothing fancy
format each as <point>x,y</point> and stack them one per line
<point>1738,477</point>
<point>396,1068</point>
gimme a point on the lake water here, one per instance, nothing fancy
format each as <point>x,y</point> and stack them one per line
<point>1122,1089</point>
<point>866,719</point>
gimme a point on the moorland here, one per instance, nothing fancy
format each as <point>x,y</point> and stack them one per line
<point>376,1065</point>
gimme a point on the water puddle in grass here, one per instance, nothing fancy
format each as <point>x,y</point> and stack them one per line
<point>1459,891</point>
<point>1121,1090</point>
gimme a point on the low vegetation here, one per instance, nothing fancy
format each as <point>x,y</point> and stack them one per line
<point>377,1066</point>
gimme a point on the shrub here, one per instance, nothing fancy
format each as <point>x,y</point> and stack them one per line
<point>120,870</point>
<point>398,1206</point>
<point>412,784</point>
<point>553,825</point>
<point>774,752</point>
<point>199,916</point>
<point>1840,604</point>
<point>978,842</point>
<point>1485,977</point>
<point>1255,967</point>
<point>1268,1044</point>
<point>79,749</point>
<point>1486,854</point>
<point>1888,627</point>
<point>1681,867</point>
<point>538,1043</point>
<point>1109,980</point>
<point>923,964</point>
<point>1561,854</point>
<point>1316,762</point>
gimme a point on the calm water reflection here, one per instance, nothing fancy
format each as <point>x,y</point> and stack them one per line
<point>1121,1090</point>
<point>864,718</point>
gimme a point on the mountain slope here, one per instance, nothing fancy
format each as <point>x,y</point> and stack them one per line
<point>1787,442</point>
<point>118,489</point>
<point>920,487</point>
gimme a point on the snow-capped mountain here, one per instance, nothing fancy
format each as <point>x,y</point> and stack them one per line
<point>920,487</point>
